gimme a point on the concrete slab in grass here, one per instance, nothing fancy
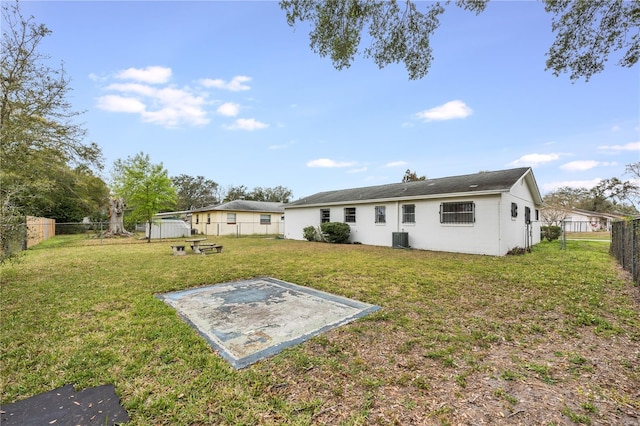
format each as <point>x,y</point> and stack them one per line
<point>246,321</point>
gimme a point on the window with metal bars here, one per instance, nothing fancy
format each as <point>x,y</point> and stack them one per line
<point>350,215</point>
<point>458,212</point>
<point>325,215</point>
<point>408,213</point>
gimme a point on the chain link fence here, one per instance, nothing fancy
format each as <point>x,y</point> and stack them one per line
<point>625,246</point>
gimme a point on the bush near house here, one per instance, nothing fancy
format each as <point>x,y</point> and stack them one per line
<point>310,233</point>
<point>550,233</point>
<point>335,232</point>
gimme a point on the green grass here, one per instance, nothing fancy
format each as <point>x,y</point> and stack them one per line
<point>82,311</point>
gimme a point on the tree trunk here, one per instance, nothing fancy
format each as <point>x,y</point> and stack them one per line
<point>116,218</point>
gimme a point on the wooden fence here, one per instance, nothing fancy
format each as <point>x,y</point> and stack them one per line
<point>39,229</point>
<point>625,246</point>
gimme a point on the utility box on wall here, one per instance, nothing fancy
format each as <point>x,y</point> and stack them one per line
<point>400,240</point>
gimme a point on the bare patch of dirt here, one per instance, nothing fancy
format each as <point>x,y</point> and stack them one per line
<point>551,378</point>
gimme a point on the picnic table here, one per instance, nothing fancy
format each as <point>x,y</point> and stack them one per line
<point>195,243</point>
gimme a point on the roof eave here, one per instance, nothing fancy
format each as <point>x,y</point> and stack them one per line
<point>399,199</point>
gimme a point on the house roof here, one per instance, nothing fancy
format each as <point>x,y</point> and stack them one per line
<point>245,206</point>
<point>613,216</point>
<point>478,183</point>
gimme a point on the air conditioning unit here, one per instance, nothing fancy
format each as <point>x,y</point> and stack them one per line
<point>400,240</point>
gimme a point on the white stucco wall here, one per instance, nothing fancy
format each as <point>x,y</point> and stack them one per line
<point>247,223</point>
<point>494,232</point>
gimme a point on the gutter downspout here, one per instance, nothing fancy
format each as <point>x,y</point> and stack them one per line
<point>500,225</point>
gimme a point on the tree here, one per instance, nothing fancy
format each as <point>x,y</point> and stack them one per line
<point>145,187</point>
<point>38,136</point>
<point>278,194</point>
<point>410,176</point>
<point>620,192</point>
<point>236,193</point>
<point>586,31</point>
<point>565,198</point>
<point>195,192</point>
<point>78,193</point>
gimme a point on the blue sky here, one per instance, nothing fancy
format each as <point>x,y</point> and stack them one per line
<point>228,91</point>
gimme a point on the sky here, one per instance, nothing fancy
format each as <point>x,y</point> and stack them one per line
<point>231,92</point>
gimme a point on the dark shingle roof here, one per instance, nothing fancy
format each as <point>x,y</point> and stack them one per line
<point>496,181</point>
<point>246,206</point>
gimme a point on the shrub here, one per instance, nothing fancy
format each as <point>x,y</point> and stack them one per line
<point>550,233</point>
<point>310,233</point>
<point>335,232</point>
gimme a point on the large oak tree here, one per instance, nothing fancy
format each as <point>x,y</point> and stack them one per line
<point>587,31</point>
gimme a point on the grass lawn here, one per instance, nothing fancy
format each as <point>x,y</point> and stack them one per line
<point>598,235</point>
<point>551,337</point>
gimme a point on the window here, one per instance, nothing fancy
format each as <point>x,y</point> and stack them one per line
<point>381,216</point>
<point>462,212</point>
<point>527,215</point>
<point>265,219</point>
<point>350,215</point>
<point>514,210</point>
<point>197,219</point>
<point>325,215</point>
<point>537,215</point>
<point>208,218</point>
<point>408,213</point>
<point>231,218</point>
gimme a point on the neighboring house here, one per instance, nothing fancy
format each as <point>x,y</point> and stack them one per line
<point>239,217</point>
<point>484,213</point>
<point>577,220</point>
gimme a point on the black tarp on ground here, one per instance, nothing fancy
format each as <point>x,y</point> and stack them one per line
<point>65,407</point>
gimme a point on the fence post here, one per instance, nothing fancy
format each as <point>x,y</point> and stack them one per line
<point>634,230</point>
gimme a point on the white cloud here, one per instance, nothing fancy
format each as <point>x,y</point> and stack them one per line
<point>249,124</point>
<point>165,106</point>
<point>150,75</point>
<point>533,160</point>
<point>235,85</point>
<point>116,103</point>
<point>396,164</point>
<point>448,111</point>
<point>578,166</point>
<point>631,146</point>
<point>328,163</point>
<point>228,109</point>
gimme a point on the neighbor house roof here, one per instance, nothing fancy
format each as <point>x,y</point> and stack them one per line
<point>245,206</point>
<point>612,216</point>
<point>478,183</point>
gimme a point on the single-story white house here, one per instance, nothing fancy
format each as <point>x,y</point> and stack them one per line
<point>239,217</point>
<point>578,220</point>
<point>486,213</point>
